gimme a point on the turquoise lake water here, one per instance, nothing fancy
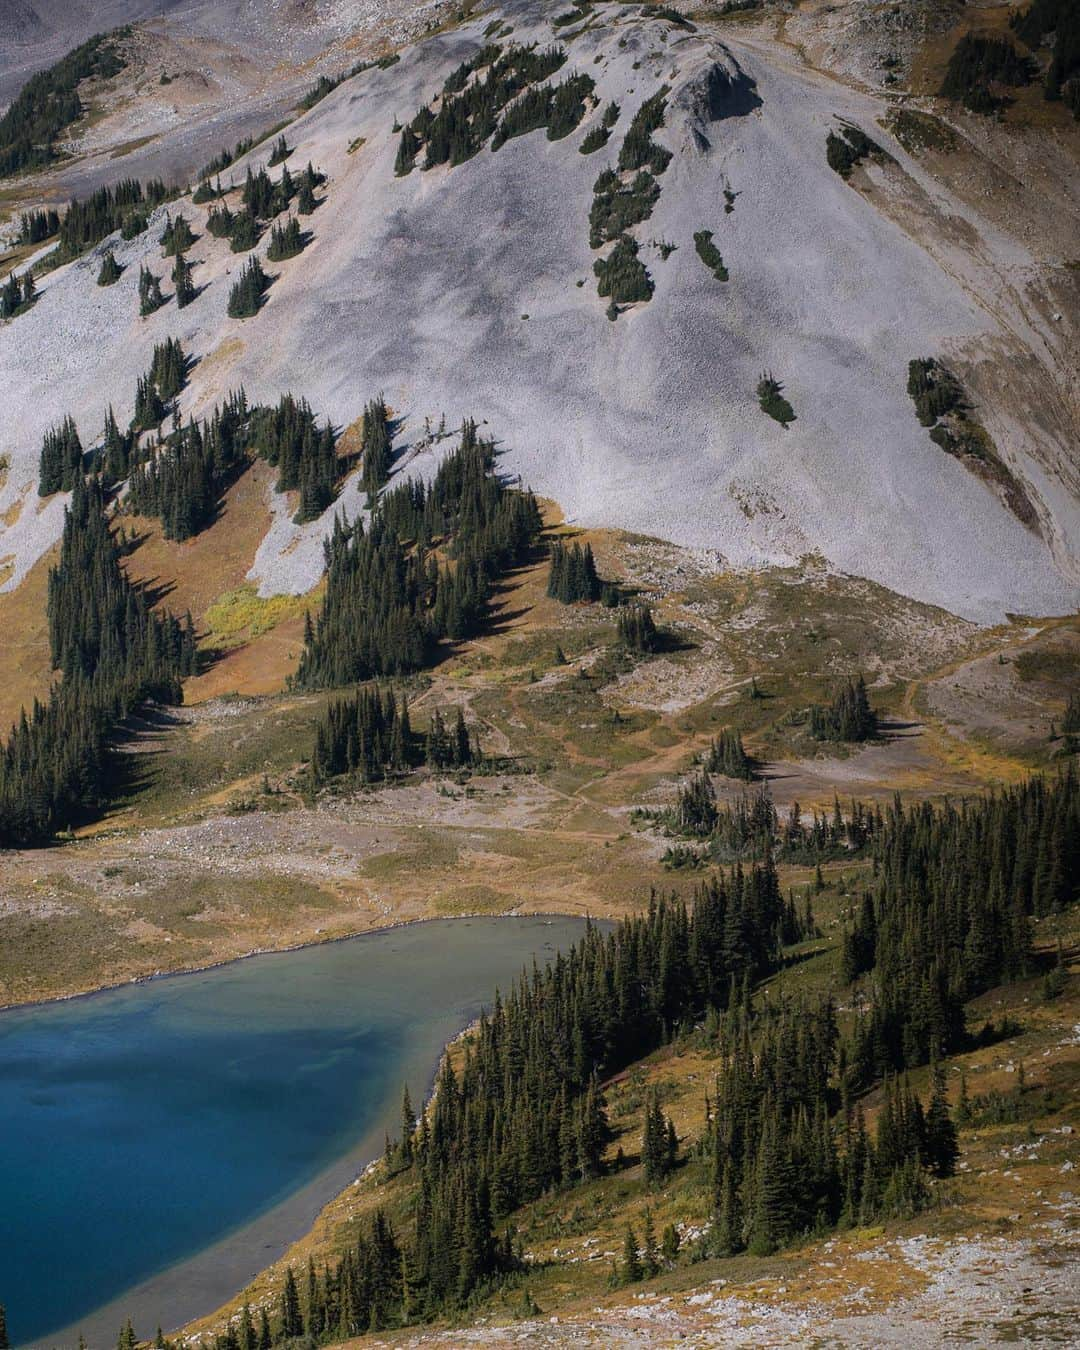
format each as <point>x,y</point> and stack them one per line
<point>162,1142</point>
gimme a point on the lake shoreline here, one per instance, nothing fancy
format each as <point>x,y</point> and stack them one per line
<point>199,1280</point>
<point>516,912</point>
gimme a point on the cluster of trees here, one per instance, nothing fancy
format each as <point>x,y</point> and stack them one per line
<point>150,296</point>
<point>279,152</point>
<point>950,915</point>
<point>224,158</point>
<point>246,296</point>
<point>750,826</point>
<point>369,737</point>
<point>639,150</point>
<point>782,1165</point>
<point>113,652</point>
<point>572,574</point>
<point>849,717</point>
<point>37,226</point>
<point>559,107</point>
<point>263,199</point>
<point>469,109</point>
<point>160,385</point>
<point>977,64</point>
<point>599,135</point>
<point>709,254</point>
<point>110,270</point>
<point>1062,19</point>
<point>388,601</point>
<point>636,629</point>
<point>623,276</point>
<point>286,241</point>
<point>726,756</point>
<point>176,236</point>
<point>125,207</point>
<point>304,454</point>
<point>376,446</point>
<point>60,463</point>
<point>49,102</point>
<point>17,294</point>
<point>450,747</point>
<point>850,147</point>
<point>183,481</point>
<point>770,394</point>
<point>934,389</point>
<point>617,205</point>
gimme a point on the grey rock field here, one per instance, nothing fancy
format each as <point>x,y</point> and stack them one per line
<point>455,292</point>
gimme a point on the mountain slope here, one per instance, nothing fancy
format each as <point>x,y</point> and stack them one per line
<point>455,291</point>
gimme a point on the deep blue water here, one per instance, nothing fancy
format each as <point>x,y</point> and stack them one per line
<point>141,1126</point>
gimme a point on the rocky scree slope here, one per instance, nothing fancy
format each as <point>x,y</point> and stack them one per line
<point>470,290</point>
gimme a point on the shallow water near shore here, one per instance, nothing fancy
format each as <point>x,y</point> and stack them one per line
<point>162,1142</point>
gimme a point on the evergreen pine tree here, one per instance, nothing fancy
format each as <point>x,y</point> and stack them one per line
<point>110,269</point>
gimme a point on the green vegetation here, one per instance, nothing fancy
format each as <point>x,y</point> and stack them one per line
<point>622,275</point>
<point>1059,18</point>
<point>637,629</point>
<point>710,254</point>
<point>113,652</point>
<point>726,756</point>
<point>594,139</point>
<point>639,150</point>
<point>17,294</point>
<point>280,152</point>
<point>786,1150</point>
<point>849,717</point>
<point>369,738</point>
<point>61,459</point>
<point>934,389</point>
<point>246,296</point>
<point>182,281</point>
<point>183,483</point>
<point>110,269</point>
<point>572,576</point>
<point>225,158</point>
<point>150,296</point>
<point>770,394</point>
<point>618,205</point>
<point>37,226</point>
<point>49,103</point>
<point>917,131</point>
<point>176,238</point>
<point>375,446</point>
<point>559,107</point>
<point>388,602</point>
<point>942,405</point>
<point>977,65</point>
<point>286,241</point>
<point>470,108</point>
<point>850,148</point>
<point>124,207</point>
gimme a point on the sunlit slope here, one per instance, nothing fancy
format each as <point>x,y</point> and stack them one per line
<point>456,291</point>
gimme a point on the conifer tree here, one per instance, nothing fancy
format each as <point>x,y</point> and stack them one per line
<point>150,296</point>
<point>942,1148</point>
<point>245,298</point>
<point>631,1271</point>
<point>182,282</point>
<point>292,1323</point>
<point>286,241</point>
<point>110,269</point>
